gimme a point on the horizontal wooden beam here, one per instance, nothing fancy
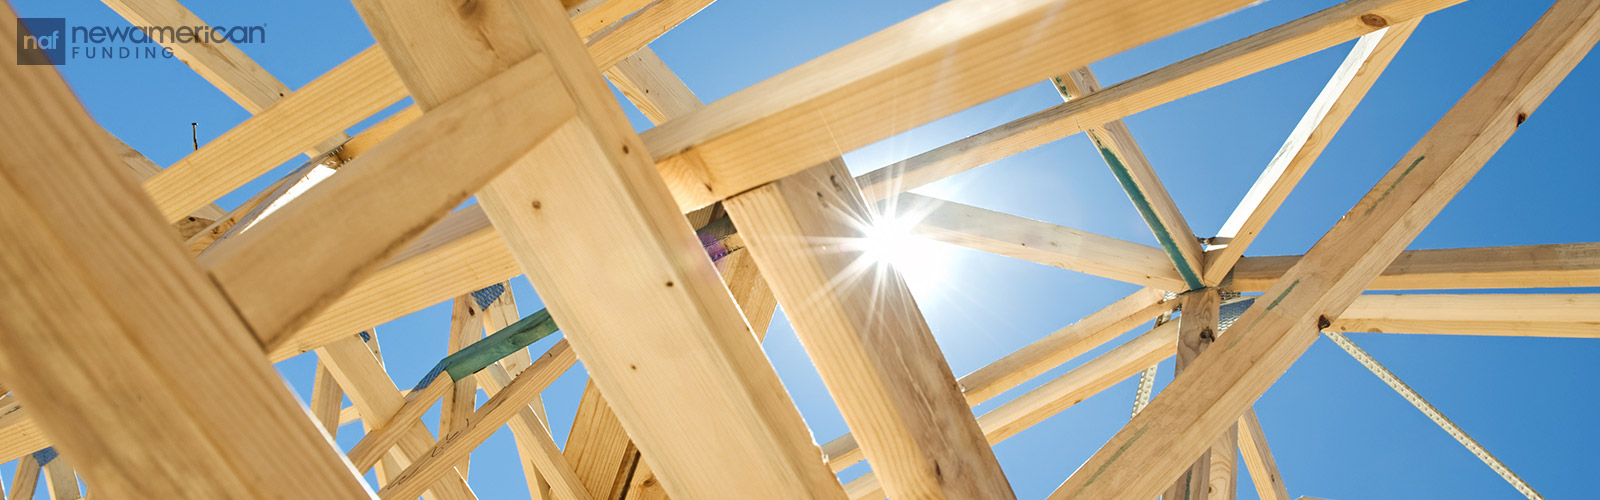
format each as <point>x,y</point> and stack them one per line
<point>976,50</point>
<point>1042,242</point>
<point>1230,62</point>
<point>1528,266</point>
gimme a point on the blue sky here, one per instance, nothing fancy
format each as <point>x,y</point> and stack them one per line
<point>1337,432</point>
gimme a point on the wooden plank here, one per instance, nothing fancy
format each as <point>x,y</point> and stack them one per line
<point>328,105</point>
<point>524,430</point>
<point>597,233</point>
<point>1526,266</point>
<point>866,336</point>
<point>1247,56</point>
<point>1197,328</point>
<point>1057,395</point>
<point>326,399</point>
<point>857,95</point>
<point>1041,242</point>
<point>60,480</point>
<point>355,220</point>
<point>26,482</point>
<point>1349,84</point>
<point>1506,307</point>
<point>143,169</point>
<point>375,396</point>
<point>1258,457</point>
<point>507,403</point>
<point>82,244</point>
<point>1484,328</point>
<point>219,62</point>
<point>466,327</point>
<point>1279,327</point>
<point>610,45</point>
<point>1138,178</point>
<point>592,15</point>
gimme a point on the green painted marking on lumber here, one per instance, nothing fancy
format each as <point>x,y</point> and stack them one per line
<point>1113,459</point>
<point>493,348</point>
<point>1393,185</point>
<point>1237,336</point>
<point>1140,201</point>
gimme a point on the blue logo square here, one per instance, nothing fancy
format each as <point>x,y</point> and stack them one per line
<point>41,40</point>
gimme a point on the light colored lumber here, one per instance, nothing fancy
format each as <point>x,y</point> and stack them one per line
<point>143,169</point>
<point>592,15</point>
<point>1197,329</point>
<point>355,220</point>
<point>524,430</point>
<point>866,336</point>
<point>1484,328</point>
<point>1041,242</point>
<point>610,45</point>
<point>1349,84</point>
<point>60,480</point>
<point>1052,397</point>
<point>1247,56</point>
<point>466,327</point>
<point>326,400</point>
<point>1280,326</point>
<point>597,232</point>
<point>327,105</point>
<point>221,63</point>
<point>1138,179</point>
<point>857,95</point>
<point>81,246</point>
<point>507,402</point>
<point>1258,458</point>
<point>375,396</point>
<point>1525,266</point>
<point>26,482</point>
<point>388,433</point>
<point>1507,307</point>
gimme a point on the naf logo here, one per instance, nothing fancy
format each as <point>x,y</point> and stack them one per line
<point>41,40</point>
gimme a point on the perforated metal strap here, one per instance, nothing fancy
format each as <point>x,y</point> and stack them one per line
<point>1433,414</point>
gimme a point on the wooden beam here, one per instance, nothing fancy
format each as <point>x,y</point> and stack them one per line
<point>466,327</point>
<point>1041,356</point>
<point>375,396</point>
<point>866,336</point>
<point>1063,392</point>
<point>26,482</point>
<point>856,95</point>
<point>1138,178</point>
<point>1247,56</point>
<point>1041,242</point>
<point>597,232</point>
<point>1197,328</point>
<point>60,479</point>
<point>507,403</point>
<point>1278,328</point>
<point>221,63</point>
<point>118,395</point>
<point>357,219</point>
<point>345,95</point>
<point>1310,136</point>
<point>1258,458</point>
<point>328,105</point>
<point>1527,266</point>
<point>526,430</point>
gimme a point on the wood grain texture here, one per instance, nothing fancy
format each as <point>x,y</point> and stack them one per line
<point>1258,458</point>
<point>1041,242</point>
<point>85,252</point>
<point>1269,336</point>
<point>1349,84</point>
<point>866,336</point>
<point>859,94</point>
<point>355,220</point>
<point>1525,266</point>
<point>1138,179</point>
<point>1244,57</point>
<point>591,202</point>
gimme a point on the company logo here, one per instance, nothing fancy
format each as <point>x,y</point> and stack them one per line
<point>48,40</point>
<point>41,40</point>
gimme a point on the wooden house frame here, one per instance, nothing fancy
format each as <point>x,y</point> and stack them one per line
<point>165,388</point>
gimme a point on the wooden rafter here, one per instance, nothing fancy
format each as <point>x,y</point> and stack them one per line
<point>1273,332</point>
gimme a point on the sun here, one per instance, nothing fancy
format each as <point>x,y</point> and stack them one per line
<point>892,239</point>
